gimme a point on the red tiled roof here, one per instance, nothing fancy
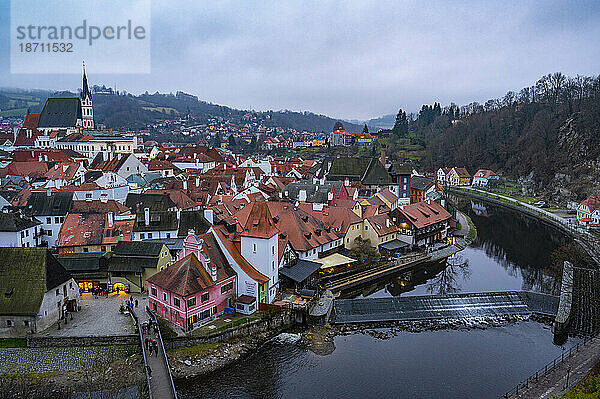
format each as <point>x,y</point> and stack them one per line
<point>31,121</point>
<point>63,171</point>
<point>462,172</point>
<point>120,230</point>
<point>110,165</point>
<point>30,169</point>
<point>340,218</point>
<point>382,224</point>
<point>157,164</point>
<point>246,299</point>
<point>179,197</point>
<point>97,206</point>
<point>226,239</point>
<point>185,277</point>
<point>81,229</point>
<point>258,220</point>
<point>484,173</point>
<point>423,214</point>
<point>388,195</point>
<point>593,202</point>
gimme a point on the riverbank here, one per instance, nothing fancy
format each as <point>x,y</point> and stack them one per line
<point>319,337</point>
<point>589,243</point>
<point>204,358</point>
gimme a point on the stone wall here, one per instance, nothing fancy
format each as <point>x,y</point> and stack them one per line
<point>51,359</point>
<point>34,341</point>
<point>282,320</point>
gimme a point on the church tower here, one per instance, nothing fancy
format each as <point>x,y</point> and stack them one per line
<point>86,104</point>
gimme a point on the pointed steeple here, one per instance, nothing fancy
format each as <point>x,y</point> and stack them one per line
<point>85,91</point>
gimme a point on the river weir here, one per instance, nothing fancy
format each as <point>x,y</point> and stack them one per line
<point>454,357</point>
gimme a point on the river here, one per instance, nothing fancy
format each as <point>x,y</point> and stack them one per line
<point>511,252</point>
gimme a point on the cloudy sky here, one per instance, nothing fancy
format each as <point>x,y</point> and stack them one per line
<point>350,59</point>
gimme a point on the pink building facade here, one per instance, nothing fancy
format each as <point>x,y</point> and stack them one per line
<point>197,287</point>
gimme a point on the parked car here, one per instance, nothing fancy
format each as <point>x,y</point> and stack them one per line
<point>572,212</point>
<point>541,204</point>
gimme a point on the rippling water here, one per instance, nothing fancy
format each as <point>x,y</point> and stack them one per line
<point>511,252</point>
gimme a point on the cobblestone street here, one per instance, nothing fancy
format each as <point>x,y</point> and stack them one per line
<point>97,317</point>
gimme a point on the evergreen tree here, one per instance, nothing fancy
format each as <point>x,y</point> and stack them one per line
<point>365,129</point>
<point>231,141</point>
<point>400,128</point>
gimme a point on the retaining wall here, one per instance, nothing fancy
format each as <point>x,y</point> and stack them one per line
<point>44,342</point>
<point>282,320</point>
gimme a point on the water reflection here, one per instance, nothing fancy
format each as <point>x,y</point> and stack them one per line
<point>448,280</point>
<point>523,246</point>
<point>511,252</point>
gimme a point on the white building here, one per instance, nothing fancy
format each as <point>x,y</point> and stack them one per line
<point>17,230</point>
<point>50,208</point>
<point>37,291</point>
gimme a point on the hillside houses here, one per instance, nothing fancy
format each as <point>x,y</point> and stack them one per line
<point>588,211</point>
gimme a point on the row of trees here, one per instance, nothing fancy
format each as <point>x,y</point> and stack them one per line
<point>547,128</point>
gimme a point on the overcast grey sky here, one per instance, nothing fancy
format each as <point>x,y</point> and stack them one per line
<point>351,59</point>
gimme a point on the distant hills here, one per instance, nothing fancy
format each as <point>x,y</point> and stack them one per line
<point>129,111</point>
<point>374,124</point>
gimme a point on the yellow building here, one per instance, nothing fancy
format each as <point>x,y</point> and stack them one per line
<point>458,177</point>
<point>379,229</point>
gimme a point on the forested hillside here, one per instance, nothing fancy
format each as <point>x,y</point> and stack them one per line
<point>549,132</point>
<point>127,111</point>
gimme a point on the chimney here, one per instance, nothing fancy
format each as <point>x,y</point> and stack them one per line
<point>48,193</point>
<point>382,156</point>
<point>197,182</point>
<point>110,219</point>
<point>213,271</point>
<point>185,185</point>
<point>147,216</point>
<point>208,215</point>
<point>387,222</point>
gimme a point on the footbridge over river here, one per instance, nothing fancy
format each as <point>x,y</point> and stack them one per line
<point>444,307</point>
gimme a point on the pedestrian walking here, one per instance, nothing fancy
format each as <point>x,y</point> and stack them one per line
<point>147,342</point>
<point>155,345</point>
<point>149,371</point>
<point>150,349</point>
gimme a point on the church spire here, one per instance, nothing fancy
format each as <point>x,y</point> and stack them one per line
<point>85,91</point>
<point>87,111</point>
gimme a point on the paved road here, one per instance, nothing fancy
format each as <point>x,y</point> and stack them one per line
<point>160,383</point>
<point>97,317</point>
<point>554,382</point>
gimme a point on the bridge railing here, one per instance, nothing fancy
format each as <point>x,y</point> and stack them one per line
<point>144,354</point>
<point>162,345</point>
<point>549,367</point>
